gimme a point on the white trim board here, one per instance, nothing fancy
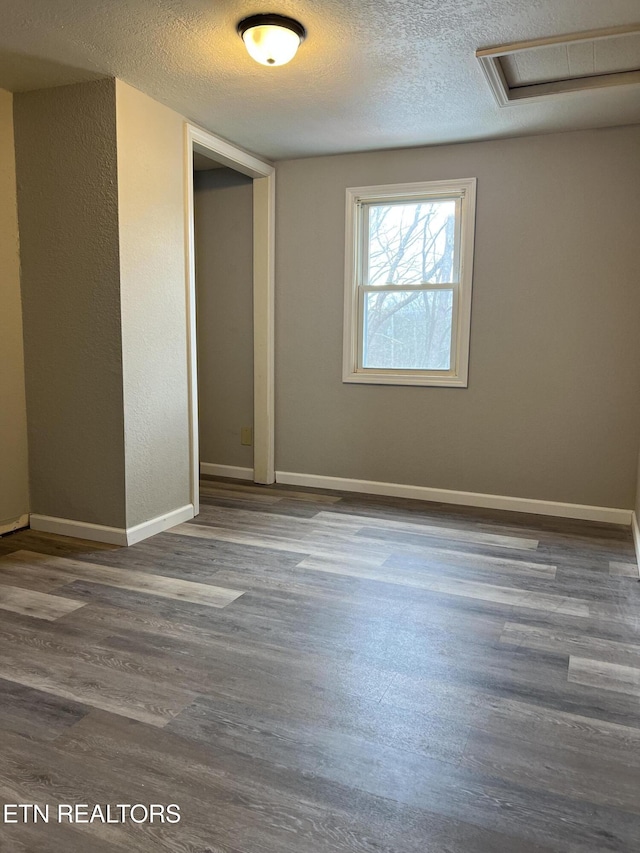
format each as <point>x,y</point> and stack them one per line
<point>608,515</point>
<point>234,472</point>
<point>636,536</point>
<point>111,535</point>
<point>264,182</point>
<point>9,526</point>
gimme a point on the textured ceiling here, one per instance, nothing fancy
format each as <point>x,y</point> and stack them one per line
<point>370,75</point>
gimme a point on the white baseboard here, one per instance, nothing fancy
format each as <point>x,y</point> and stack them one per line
<point>159,524</point>
<point>79,529</point>
<point>9,525</point>
<point>234,472</point>
<point>636,536</point>
<point>609,515</point>
<point>111,535</point>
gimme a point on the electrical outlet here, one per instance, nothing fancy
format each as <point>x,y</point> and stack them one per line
<point>246,436</point>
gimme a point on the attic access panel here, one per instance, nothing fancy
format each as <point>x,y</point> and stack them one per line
<point>571,63</point>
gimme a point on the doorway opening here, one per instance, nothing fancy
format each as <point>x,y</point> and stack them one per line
<point>202,148</point>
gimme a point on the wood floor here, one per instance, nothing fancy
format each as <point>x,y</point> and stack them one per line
<point>311,672</point>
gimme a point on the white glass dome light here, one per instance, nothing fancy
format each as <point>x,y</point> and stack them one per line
<point>271,39</point>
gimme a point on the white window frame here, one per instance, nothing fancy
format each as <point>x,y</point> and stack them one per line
<point>464,191</point>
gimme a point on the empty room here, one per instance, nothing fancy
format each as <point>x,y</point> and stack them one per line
<point>320,426</point>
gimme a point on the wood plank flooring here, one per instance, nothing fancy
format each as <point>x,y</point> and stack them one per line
<point>315,672</point>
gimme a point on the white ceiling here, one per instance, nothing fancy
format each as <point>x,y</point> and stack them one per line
<point>370,75</point>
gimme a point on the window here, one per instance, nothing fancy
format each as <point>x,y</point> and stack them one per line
<point>408,283</point>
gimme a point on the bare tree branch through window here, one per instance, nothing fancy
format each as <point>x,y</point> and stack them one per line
<point>409,245</point>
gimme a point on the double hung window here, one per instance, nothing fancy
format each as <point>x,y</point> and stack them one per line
<point>408,283</point>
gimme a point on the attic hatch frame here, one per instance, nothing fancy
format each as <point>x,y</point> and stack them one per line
<point>263,174</point>
<point>507,95</point>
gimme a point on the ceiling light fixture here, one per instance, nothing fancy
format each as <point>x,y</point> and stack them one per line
<point>271,39</point>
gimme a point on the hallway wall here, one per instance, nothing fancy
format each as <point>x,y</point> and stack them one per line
<point>224,284</point>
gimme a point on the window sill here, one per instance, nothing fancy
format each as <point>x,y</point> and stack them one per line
<point>372,378</point>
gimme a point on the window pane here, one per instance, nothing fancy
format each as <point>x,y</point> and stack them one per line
<point>408,330</point>
<point>412,243</point>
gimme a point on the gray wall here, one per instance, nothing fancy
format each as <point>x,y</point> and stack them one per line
<point>151,196</point>
<point>552,410</point>
<point>224,279</point>
<point>637,503</point>
<point>68,213</point>
<point>14,481</point>
<point>101,209</point>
